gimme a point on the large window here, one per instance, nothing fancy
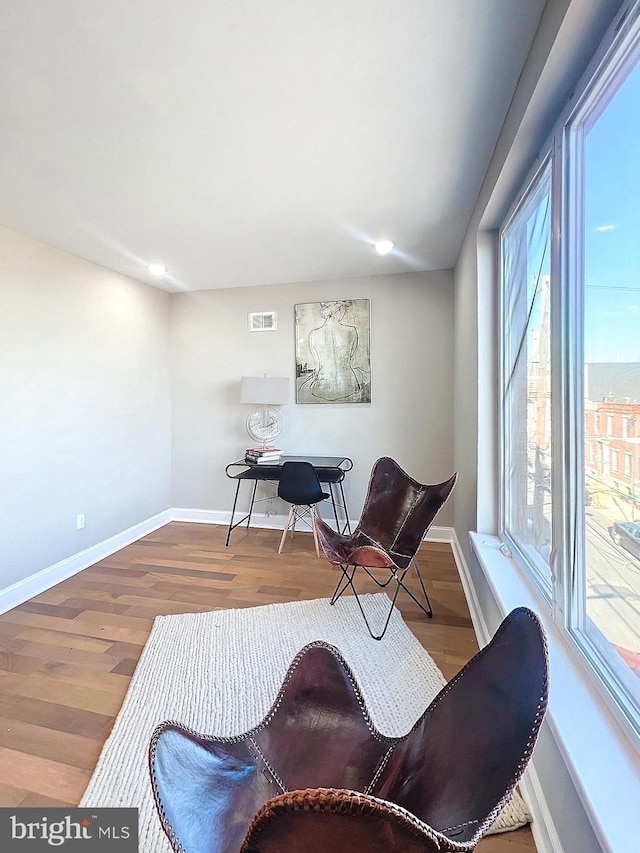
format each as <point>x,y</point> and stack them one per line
<point>526,368</point>
<point>570,368</point>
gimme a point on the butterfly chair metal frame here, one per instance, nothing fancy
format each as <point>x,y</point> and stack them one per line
<point>316,775</point>
<point>299,485</point>
<point>397,512</point>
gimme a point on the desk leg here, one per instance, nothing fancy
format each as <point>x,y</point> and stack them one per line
<point>335,508</point>
<point>347,523</point>
<point>253,497</point>
<point>233,512</point>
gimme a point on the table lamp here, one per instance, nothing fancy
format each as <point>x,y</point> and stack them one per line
<point>264,423</point>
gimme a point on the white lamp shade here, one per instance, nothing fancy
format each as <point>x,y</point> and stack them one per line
<point>264,390</point>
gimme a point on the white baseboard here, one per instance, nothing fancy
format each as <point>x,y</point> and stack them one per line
<point>213,516</point>
<point>440,534</point>
<point>43,580</point>
<point>200,516</point>
<point>542,826</point>
<point>480,626</point>
<point>277,522</point>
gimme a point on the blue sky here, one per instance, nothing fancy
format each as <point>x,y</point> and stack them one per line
<point>612,229</point>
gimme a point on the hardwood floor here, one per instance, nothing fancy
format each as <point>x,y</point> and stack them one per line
<point>67,655</point>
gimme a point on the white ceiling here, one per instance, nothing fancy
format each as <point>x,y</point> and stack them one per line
<point>245,142</point>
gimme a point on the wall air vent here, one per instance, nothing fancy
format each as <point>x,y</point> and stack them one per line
<point>263,321</point>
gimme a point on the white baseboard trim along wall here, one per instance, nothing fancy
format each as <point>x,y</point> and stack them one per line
<point>43,580</point>
<point>480,626</point>
<point>275,522</point>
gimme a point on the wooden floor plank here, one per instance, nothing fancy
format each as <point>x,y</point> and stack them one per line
<point>61,747</point>
<point>64,639</point>
<point>58,718</point>
<point>60,692</point>
<point>67,656</point>
<point>41,775</point>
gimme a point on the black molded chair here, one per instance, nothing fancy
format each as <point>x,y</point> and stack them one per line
<point>397,512</point>
<point>299,486</point>
<point>317,776</point>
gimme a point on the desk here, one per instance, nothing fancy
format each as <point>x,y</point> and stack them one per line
<point>331,471</point>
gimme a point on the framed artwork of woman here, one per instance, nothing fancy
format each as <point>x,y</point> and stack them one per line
<point>333,358</point>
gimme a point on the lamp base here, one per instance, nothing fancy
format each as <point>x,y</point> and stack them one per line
<point>264,424</point>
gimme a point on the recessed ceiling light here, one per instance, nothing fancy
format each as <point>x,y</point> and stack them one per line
<point>383,247</point>
<point>157,269</point>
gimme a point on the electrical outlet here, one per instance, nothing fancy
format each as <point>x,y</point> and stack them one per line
<point>80,521</point>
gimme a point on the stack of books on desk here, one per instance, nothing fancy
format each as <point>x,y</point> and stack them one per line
<point>262,455</point>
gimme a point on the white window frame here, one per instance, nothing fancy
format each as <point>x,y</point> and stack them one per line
<point>525,554</point>
<point>590,101</point>
<point>566,594</point>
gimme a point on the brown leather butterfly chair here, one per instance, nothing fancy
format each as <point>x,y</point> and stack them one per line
<point>315,776</point>
<point>397,513</point>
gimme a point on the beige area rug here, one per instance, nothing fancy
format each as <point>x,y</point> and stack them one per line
<point>219,673</point>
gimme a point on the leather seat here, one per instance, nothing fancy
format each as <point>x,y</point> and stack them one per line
<point>397,512</point>
<point>315,775</point>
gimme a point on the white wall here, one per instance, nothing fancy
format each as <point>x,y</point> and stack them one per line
<point>86,393</point>
<point>410,416</point>
<point>84,404</point>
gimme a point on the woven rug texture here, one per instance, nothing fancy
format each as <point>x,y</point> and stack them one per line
<point>219,672</point>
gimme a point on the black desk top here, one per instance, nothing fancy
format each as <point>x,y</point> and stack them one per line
<point>265,471</point>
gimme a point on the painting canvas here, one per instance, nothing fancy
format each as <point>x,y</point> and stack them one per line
<point>333,357</point>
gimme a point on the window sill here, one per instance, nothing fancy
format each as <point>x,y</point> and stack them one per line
<point>602,762</point>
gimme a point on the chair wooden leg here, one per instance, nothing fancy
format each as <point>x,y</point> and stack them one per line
<point>284,532</point>
<point>315,535</point>
<point>299,513</point>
